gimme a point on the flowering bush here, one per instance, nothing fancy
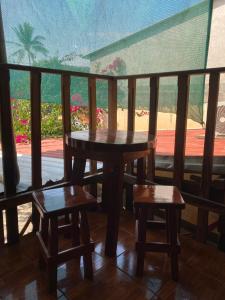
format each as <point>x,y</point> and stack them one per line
<point>51,118</point>
<point>117,67</point>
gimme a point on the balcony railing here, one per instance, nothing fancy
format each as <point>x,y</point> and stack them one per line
<point>12,199</point>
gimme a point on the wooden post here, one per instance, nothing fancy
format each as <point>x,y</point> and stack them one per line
<point>181,124</point>
<point>112,105</point>
<point>9,158</point>
<point>153,112</point>
<point>92,124</point>
<point>65,90</point>
<point>202,226</point>
<point>131,113</point>
<point>35,91</point>
<point>131,104</point>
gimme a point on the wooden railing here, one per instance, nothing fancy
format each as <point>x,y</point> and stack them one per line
<point>11,200</point>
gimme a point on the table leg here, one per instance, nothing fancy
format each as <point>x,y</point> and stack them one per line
<point>113,180</point>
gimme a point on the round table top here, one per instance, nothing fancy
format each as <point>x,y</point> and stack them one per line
<point>105,140</point>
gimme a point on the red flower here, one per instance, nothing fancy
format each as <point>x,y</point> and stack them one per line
<point>22,138</point>
<point>74,108</point>
<point>24,122</point>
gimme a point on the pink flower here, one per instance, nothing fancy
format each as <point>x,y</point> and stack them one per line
<point>74,108</point>
<point>24,122</point>
<point>22,138</point>
<point>111,67</point>
<point>76,97</point>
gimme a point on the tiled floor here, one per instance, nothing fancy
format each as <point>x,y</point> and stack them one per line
<point>202,272</point>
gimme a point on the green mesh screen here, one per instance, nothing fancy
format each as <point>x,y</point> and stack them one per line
<point>109,37</point>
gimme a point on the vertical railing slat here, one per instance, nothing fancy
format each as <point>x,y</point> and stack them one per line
<point>35,91</point>
<point>131,112</point>
<point>207,166</point>
<point>92,124</point>
<point>66,118</point>
<point>92,103</point>
<point>131,104</point>
<point>181,124</point>
<point>153,113</point>
<point>112,104</point>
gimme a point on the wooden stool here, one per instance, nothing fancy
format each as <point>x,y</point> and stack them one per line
<point>52,204</point>
<point>162,197</point>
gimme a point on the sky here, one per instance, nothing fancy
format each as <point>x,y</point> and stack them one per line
<point>85,25</point>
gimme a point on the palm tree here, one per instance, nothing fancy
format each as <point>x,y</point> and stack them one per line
<point>29,45</point>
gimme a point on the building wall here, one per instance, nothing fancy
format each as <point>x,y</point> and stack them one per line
<point>162,51</point>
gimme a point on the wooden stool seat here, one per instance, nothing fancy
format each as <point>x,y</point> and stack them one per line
<point>72,202</point>
<point>62,200</point>
<point>162,197</point>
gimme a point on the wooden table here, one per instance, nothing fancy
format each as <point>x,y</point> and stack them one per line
<point>114,149</point>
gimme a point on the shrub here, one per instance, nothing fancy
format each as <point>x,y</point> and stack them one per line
<point>51,118</point>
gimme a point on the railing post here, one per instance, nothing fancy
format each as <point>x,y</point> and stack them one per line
<point>112,104</point>
<point>9,158</point>
<point>202,226</point>
<point>92,124</point>
<point>131,104</point>
<point>66,117</point>
<point>181,125</point>
<point>36,129</point>
<point>92,103</point>
<point>153,113</point>
<point>35,92</point>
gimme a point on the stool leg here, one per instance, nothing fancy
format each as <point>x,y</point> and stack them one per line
<point>140,245</point>
<point>173,242</point>
<point>53,251</point>
<point>167,229</point>
<point>129,197</point>
<point>85,235</point>
<point>75,229</point>
<point>67,235</point>
<point>44,234</point>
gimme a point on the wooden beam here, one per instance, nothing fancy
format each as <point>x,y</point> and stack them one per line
<point>66,118</point>
<point>112,104</point>
<point>181,124</point>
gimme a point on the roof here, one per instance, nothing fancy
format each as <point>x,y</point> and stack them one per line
<point>152,30</point>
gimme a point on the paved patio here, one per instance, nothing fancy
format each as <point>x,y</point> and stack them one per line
<point>165,144</point>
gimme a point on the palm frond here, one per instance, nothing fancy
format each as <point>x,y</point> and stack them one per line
<point>20,54</point>
<point>39,38</point>
<point>40,49</point>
